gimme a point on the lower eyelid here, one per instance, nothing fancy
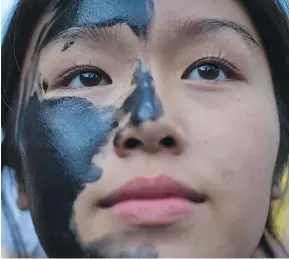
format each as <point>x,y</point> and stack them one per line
<point>211,85</point>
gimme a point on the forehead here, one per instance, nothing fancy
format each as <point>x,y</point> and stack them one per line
<point>102,13</point>
<point>140,15</point>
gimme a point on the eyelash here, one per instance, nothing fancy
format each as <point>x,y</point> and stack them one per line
<point>67,76</point>
<point>230,69</point>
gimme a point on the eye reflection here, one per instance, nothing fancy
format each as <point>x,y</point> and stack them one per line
<point>83,77</point>
<point>89,79</point>
<point>213,69</point>
<point>207,72</point>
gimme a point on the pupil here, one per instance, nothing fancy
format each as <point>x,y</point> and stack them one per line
<point>90,79</point>
<point>209,72</point>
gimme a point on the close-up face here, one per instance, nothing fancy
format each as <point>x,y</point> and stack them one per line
<point>147,129</point>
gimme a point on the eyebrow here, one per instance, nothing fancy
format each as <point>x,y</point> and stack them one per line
<point>91,33</point>
<point>185,28</point>
<point>206,26</point>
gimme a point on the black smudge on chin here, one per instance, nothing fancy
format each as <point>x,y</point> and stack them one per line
<point>113,247</point>
<point>58,139</point>
<point>101,248</point>
<point>143,251</point>
<point>143,103</point>
<point>137,14</point>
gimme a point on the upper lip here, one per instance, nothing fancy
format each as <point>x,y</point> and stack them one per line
<point>152,188</point>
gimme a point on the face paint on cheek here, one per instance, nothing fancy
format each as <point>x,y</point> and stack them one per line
<point>27,87</point>
<point>137,14</point>
<point>58,140</point>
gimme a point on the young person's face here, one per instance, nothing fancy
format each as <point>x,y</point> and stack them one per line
<point>173,101</point>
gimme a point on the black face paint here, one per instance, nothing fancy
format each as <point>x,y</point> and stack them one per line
<point>143,251</point>
<point>60,137</point>
<point>143,103</point>
<point>137,14</point>
<point>101,248</point>
<point>67,46</point>
<point>45,85</point>
<point>109,247</point>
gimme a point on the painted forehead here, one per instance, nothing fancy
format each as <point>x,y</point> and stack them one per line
<point>137,14</point>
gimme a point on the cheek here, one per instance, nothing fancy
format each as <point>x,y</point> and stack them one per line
<point>244,157</point>
<point>233,147</point>
<point>246,140</point>
<point>237,132</point>
<point>58,139</point>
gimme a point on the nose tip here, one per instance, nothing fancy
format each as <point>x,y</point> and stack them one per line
<point>150,137</point>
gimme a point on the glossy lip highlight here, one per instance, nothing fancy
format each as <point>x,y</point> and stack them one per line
<point>160,187</point>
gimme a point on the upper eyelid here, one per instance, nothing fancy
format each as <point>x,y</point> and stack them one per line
<point>217,61</point>
<point>67,76</point>
<point>79,65</point>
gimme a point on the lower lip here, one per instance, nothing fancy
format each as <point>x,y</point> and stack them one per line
<point>153,212</point>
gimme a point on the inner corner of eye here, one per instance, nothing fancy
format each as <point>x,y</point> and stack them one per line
<point>188,71</point>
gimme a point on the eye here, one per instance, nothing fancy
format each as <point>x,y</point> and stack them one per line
<point>90,79</point>
<point>83,77</point>
<point>212,70</point>
<point>207,72</point>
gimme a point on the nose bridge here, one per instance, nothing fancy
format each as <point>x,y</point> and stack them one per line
<point>143,103</point>
<point>146,129</point>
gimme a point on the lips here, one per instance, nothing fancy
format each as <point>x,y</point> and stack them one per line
<point>153,201</point>
<point>160,187</point>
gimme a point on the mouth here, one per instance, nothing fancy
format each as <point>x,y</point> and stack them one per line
<point>153,201</point>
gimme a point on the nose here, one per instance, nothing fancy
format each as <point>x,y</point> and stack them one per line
<point>150,137</point>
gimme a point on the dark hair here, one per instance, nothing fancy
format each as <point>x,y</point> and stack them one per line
<point>272,24</point>
<point>268,16</point>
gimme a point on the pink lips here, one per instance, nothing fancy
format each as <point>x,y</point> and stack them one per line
<point>152,201</point>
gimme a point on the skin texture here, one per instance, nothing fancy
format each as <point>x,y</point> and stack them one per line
<point>76,142</point>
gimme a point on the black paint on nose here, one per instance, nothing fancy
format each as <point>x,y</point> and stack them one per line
<point>143,103</point>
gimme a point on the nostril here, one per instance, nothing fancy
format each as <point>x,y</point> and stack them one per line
<point>168,142</point>
<point>132,143</point>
